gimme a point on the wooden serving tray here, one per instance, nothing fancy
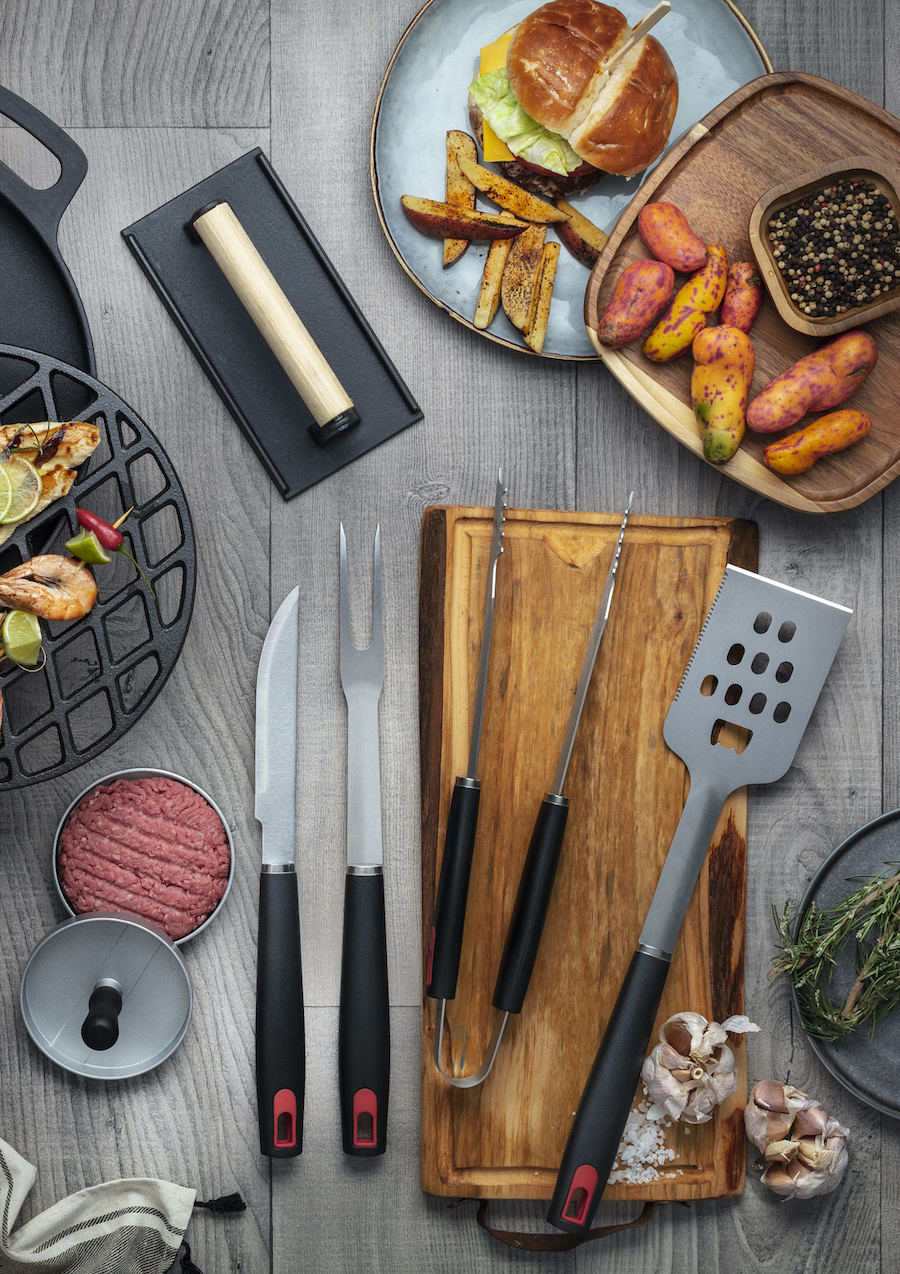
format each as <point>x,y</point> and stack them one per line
<point>771,131</point>
<point>505,1138</point>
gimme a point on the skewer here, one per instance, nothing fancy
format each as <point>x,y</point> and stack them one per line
<point>648,21</point>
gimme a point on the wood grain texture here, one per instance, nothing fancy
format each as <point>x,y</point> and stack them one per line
<point>159,95</point>
<point>732,148</point>
<point>504,1139</point>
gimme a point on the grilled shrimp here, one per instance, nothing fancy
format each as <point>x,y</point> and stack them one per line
<point>50,586</point>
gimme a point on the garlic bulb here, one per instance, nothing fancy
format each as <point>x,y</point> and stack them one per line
<point>692,1069</point>
<point>804,1148</point>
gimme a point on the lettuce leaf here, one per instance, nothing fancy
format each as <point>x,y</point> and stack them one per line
<point>524,137</point>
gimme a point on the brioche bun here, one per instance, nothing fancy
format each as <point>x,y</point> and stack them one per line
<point>619,122</point>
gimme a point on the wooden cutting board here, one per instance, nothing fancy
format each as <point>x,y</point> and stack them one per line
<point>504,1139</point>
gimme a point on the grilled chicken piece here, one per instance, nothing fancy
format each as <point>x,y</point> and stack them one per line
<point>56,449</point>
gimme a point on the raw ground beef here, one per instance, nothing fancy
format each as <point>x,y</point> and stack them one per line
<point>151,847</point>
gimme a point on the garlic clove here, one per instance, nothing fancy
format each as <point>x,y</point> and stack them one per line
<point>724,1061</point>
<point>791,1180</point>
<point>811,1121</point>
<point>683,1031</point>
<point>769,1094</point>
<point>763,1123</point>
<point>813,1152</point>
<point>670,1057</point>
<point>822,1180</point>
<point>782,1151</point>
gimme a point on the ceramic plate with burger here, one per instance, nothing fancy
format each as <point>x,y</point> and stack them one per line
<point>557,100</point>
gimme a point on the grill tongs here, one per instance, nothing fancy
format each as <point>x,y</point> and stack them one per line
<point>539,871</point>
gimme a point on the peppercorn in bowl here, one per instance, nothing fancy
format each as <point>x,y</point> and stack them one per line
<point>828,246</point>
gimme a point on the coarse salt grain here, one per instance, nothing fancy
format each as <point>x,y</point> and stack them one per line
<point>642,1151</point>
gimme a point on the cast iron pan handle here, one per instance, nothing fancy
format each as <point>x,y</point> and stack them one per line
<point>43,208</point>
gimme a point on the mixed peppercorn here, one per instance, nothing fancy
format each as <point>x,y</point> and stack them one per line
<point>838,248</point>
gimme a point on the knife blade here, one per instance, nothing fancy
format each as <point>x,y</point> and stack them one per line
<point>280,1034</point>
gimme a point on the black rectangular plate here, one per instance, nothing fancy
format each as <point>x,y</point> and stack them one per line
<point>247,375</point>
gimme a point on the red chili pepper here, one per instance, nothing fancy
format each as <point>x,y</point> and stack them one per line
<point>108,536</point>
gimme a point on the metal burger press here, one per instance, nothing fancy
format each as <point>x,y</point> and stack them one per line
<point>107,994</point>
<point>274,327</point>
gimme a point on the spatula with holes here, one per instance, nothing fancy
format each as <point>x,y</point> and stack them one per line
<point>737,718</point>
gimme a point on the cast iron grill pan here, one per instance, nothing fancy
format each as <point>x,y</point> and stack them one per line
<point>103,671</point>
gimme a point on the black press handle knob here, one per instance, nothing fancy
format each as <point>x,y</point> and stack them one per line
<point>100,1029</point>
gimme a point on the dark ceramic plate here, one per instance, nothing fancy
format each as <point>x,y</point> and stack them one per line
<point>865,1063</point>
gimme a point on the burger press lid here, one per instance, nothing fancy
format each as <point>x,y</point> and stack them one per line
<point>106,996</point>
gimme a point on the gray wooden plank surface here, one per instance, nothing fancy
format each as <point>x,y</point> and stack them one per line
<point>159,95</point>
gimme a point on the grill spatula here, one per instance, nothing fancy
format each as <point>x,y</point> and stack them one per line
<point>737,718</point>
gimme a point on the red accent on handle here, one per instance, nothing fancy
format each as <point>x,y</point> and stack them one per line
<point>365,1117</point>
<point>430,956</point>
<point>284,1118</point>
<point>581,1191</point>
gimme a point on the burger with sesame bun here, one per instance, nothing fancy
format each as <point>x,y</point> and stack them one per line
<point>556,107</point>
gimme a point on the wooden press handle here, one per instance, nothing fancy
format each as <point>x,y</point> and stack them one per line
<point>271,311</point>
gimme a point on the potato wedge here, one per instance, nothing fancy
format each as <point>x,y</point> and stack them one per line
<point>443,221</point>
<point>491,281</point>
<point>458,190</point>
<point>583,239</point>
<point>507,194</point>
<point>536,332</point>
<point>521,274</point>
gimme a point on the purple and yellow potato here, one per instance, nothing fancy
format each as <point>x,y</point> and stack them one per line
<point>640,296</point>
<point>820,380</point>
<point>666,232</point>
<point>743,296</point>
<point>799,451</point>
<point>691,307</point>
<point>723,371</point>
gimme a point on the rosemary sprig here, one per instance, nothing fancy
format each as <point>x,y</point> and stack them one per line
<point>870,917</point>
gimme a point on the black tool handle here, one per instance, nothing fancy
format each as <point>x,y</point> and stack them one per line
<point>532,901</point>
<point>608,1094</point>
<point>280,1034</point>
<point>453,891</point>
<point>364,1032</point>
<point>100,1029</point>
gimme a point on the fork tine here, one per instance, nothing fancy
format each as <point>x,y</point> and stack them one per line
<point>346,640</point>
<point>362,661</point>
<point>377,612</point>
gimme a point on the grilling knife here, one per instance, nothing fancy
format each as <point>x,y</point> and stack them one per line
<point>280,1036</point>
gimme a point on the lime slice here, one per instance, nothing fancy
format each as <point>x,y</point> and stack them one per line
<point>6,491</point>
<point>25,488</point>
<point>21,633</point>
<point>86,546</point>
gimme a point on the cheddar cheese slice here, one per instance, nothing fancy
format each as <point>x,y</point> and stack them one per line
<point>493,58</point>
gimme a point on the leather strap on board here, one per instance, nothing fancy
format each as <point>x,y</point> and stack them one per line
<point>558,1242</point>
